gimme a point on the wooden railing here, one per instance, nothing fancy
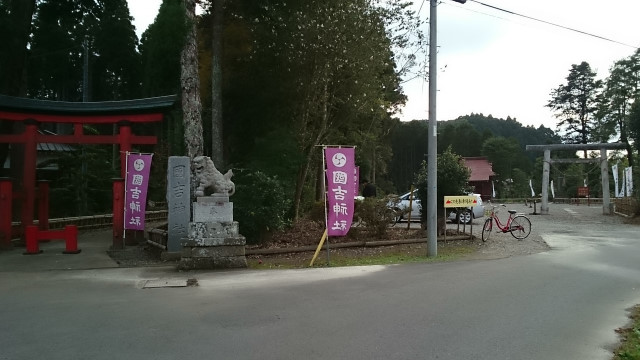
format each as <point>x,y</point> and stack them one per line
<point>626,206</point>
<point>93,221</point>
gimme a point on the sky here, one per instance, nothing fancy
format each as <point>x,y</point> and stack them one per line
<point>500,64</point>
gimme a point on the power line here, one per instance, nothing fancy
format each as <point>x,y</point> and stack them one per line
<point>553,24</point>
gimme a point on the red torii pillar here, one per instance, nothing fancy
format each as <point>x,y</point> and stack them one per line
<point>6,201</point>
<point>29,172</point>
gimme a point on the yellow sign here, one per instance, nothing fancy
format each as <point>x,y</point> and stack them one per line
<point>459,201</point>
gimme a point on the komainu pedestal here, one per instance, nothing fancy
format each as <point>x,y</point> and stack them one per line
<point>213,240</point>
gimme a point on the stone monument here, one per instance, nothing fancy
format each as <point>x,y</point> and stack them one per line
<point>213,240</point>
<point>178,201</point>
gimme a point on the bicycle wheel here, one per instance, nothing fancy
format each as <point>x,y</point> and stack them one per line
<point>520,227</point>
<point>486,229</point>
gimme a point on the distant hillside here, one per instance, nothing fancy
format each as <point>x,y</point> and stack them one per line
<point>509,128</point>
<point>466,136</point>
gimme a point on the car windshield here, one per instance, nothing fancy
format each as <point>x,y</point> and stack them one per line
<point>408,195</point>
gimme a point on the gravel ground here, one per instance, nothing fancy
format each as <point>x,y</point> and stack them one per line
<point>560,215</point>
<point>500,245</point>
<point>141,255</point>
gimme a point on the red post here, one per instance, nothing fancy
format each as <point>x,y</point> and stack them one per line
<point>29,174</point>
<point>118,213</point>
<point>6,199</point>
<point>43,204</point>
<point>71,240</point>
<point>31,239</point>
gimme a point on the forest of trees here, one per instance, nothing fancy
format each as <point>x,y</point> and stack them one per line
<point>286,76</point>
<point>501,141</point>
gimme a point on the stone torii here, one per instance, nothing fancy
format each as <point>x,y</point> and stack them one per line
<point>604,168</point>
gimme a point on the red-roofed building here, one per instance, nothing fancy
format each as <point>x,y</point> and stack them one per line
<point>481,176</point>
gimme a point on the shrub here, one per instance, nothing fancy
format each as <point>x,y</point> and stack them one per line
<point>375,214</point>
<point>452,179</point>
<point>316,213</point>
<point>260,205</point>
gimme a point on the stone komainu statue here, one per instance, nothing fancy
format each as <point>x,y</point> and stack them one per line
<point>210,180</point>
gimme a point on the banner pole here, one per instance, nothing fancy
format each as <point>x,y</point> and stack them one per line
<point>126,176</point>
<point>326,225</point>
<point>324,236</point>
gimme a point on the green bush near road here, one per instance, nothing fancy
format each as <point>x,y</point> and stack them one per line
<point>260,205</point>
<point>630,347</point>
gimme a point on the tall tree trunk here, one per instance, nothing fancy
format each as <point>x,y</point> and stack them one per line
<point>320,191</point>
<point>191,105</point>
<point>13,62</point>
<point>217,148</point>
<point>322,130</point>
<point>373,166</point>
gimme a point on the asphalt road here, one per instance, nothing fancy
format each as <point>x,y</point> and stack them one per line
<point>561,304</point>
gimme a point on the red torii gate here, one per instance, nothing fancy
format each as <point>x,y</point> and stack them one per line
<point>31,112</point>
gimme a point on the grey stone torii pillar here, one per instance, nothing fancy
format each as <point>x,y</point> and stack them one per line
<point>604,168</point>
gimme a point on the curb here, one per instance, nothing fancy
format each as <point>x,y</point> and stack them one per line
<point>348,245</point>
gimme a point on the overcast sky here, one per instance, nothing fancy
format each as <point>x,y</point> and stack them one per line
<point>497,63</point>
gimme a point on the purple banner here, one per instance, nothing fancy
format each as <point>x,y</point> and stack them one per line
<point>135,190</point>
<point>341,189</point>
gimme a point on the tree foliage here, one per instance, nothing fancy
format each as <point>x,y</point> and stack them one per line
<point>297,75</point>
<point>410,147</point>
<point>621,89</point>
<point>261,204</point>
<point>452,179</point>
<point>85,182</point>
<point>575,104</point>
<point>462,137</point>
<point>312,73</point>
<point>62,29</point>
<point>634,124</point>
<point>15,28</point>
<point>467,136</point>
<point>503,154</point>
<point>487,125</point>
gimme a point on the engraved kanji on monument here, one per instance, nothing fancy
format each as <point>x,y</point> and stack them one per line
<point>178,201</point>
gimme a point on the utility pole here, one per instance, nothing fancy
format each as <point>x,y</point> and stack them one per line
<point>432,148</point>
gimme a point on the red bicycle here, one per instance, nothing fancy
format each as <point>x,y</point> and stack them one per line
<point>517,224</point>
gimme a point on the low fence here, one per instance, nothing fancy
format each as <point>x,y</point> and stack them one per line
<point>529,201</point>
<point>93,221</point>
<point>626,206</point>
<point>578,201</point>
<point>157,237</point>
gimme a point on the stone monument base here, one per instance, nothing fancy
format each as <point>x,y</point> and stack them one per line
<point>213,240</point>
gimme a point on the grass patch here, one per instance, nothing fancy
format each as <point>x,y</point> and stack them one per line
<point>444,254</point>
<point>629,348</point>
